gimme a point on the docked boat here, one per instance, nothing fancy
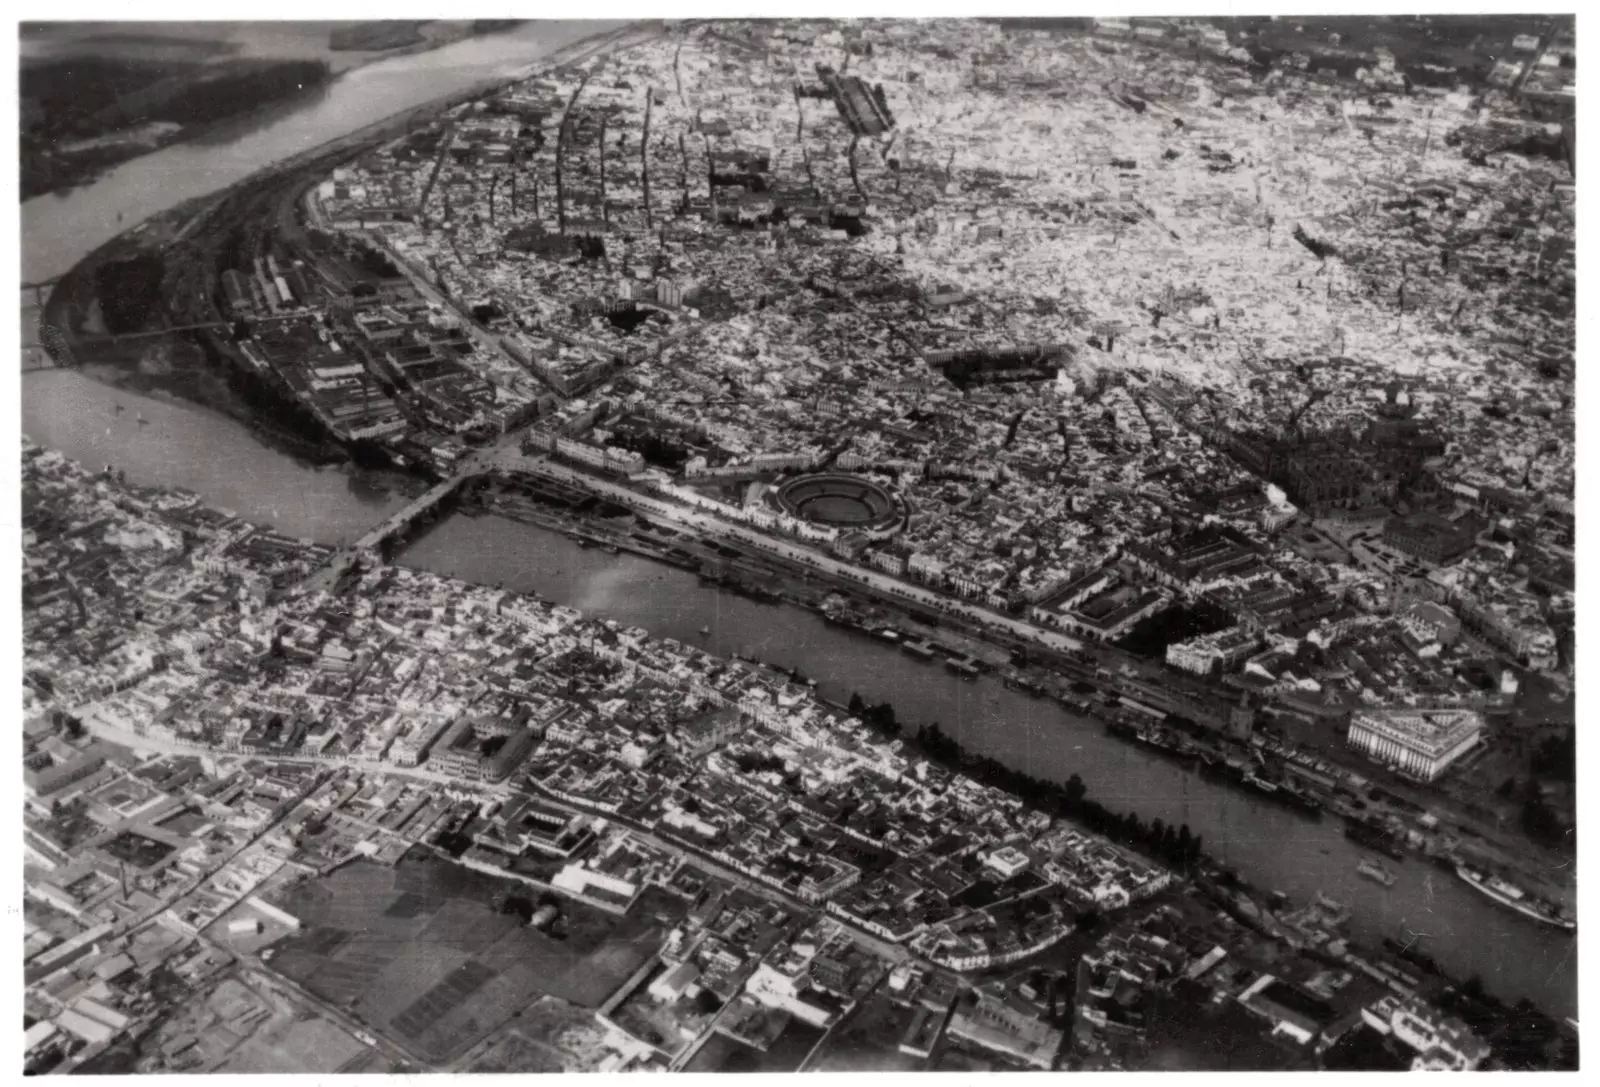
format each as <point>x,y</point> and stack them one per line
<point>1164,743</point>
<point>1261,784</point>
<point>1515,898</point>
<point>1282,792</point>
<point>1122,730</point>
<point>1375,837</point>
<point>840,617</point>
<point>760,594</point>
<point>1299,799</point>
<point>1376,872</point>
<point>1229,768</point>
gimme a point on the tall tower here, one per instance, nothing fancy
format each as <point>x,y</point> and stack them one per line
<point>1242,718</point>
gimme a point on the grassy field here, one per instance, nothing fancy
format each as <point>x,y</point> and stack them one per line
<point>417,952</point>
<point>313,1046</point>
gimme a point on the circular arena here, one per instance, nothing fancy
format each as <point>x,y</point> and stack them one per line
<point>842,501</point>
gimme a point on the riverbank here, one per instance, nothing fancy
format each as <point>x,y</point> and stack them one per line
<point>87,112</point>
<point>51,166</point>
<point>59,231</point>
<point>209,381</point>
<point>242,474</point>
<point>1307,782</point>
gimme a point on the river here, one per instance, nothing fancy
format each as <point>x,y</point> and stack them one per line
<point>1273,848</point>
<point>58,229</point>
<point>184,445</point>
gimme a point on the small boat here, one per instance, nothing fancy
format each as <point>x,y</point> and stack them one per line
<point>1337,911</point>
<point>1376,872</point>
<point>1260,784</point>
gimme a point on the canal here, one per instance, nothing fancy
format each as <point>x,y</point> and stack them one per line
<point>179,444</point>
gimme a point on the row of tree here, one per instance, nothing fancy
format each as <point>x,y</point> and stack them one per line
<point>1176,846</point>
<point>1535,816</point>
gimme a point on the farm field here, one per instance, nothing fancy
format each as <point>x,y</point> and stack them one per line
<point>299,1047</point>
<point>419,952</point>
<point>551,1036</point>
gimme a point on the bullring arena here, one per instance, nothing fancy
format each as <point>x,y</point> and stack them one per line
<point>843,501</point>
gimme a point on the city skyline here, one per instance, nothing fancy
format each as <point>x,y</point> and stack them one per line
<point>796,544</point>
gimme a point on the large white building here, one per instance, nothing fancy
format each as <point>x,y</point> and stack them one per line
<point>1421,743</point>
<point>1440,1043</point>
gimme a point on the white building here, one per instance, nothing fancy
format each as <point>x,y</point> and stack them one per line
<point>1441,1044</point>
<point>674,982</point>
<point>1008,861</point>
<point>1420,743</point>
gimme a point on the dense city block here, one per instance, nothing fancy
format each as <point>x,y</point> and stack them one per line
<point>1212,379</point>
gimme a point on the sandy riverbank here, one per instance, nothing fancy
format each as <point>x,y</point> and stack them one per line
<point>244,40</point>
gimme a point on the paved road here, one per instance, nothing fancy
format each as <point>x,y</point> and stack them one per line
<point>159,746</point>
<point>512,461</point>
<point>480,335</point>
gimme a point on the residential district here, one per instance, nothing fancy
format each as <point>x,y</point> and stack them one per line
<point>1239,340</point>
<point>419,807</point>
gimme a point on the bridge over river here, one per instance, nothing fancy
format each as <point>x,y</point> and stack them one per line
<point>54,351</point>
<point>424,507</point>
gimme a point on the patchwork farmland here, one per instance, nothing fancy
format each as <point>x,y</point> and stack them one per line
<point>419,952</point>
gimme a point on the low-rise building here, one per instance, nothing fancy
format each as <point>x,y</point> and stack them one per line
<point>990,1022</point>
<point>1440,1043</point>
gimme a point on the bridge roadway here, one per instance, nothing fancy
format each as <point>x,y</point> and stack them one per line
<point>475,464</point>
<point>152,333</point>
<point>417,507</point>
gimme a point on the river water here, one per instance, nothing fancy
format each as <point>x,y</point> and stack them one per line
<point>184,445</point>
<point>58,229</point>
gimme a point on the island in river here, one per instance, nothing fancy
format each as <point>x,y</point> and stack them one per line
<point>93,95</point>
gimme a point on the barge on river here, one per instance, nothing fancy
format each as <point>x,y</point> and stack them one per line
<point>1376,872</point>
